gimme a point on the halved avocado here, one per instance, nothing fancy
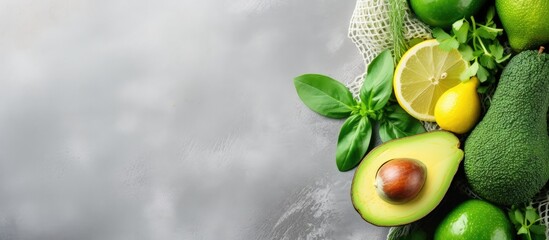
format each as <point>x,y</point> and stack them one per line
<point>440,153</point>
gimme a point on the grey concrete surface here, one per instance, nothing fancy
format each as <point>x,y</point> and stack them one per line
<point>171,119</point>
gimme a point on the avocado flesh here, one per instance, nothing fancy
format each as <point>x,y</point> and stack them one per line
<point>440,153</point>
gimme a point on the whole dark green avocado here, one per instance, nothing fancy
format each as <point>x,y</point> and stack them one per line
<point>507,153</point>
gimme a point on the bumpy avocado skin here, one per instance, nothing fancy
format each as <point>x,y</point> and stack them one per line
<point>507,153</point>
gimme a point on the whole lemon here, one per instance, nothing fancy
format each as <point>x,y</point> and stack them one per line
<point>525,22</point>
<point>458,109</point>
<point>475,220</point>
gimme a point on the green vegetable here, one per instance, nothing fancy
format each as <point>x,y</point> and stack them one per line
<point>397,123</point>
<point>507,153</point>
<point>527,222</point>
<point>330,98</point>
<point>398,9</point>
<point>478,43</point>
<point>324,95</point>
<point>353,141</point>
<point>407,232</point>
<point>378,85</point>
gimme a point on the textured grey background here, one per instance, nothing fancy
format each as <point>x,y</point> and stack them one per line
<point>171,119</point>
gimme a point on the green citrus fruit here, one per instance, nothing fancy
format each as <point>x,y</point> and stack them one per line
<point>475,220</point>
<point>442,13</point>
<point>525,22</point>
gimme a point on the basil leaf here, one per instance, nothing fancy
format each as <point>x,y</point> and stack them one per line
<point>399,124</point>
<point>324,95</point>
<point>378,85</point>
<point>353,142</point>
<point>399,232</point>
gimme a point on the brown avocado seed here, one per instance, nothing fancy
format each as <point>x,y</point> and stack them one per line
<point>400,180</point>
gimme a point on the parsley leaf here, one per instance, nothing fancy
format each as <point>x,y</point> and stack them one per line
<point>527,222</point>
<point>478,43</point>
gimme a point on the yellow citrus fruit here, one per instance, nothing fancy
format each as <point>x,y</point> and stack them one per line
<point>423,74</point>
<point>458,109</point>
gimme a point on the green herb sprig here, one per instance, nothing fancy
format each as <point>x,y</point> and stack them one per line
<point>478,43</point>
<point>396,15</point>
<point>527,222</point>
<point>330,98</point>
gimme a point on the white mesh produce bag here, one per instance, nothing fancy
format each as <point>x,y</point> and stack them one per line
<point>370,30</point>
<point>541,202</point>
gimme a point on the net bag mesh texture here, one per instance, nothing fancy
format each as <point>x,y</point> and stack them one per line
<point>370,30</point>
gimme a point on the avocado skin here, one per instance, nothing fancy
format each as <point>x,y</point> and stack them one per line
<point>507,153</point>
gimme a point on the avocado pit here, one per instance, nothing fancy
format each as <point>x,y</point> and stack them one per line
<point>438,151</point>
<point>400,180</point>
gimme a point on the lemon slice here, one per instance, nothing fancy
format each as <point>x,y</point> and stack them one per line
<point>425,72</point>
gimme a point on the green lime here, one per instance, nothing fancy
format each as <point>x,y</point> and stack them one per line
<point>475,220</point>
<point>442,13</point>
<point>525,22</point>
